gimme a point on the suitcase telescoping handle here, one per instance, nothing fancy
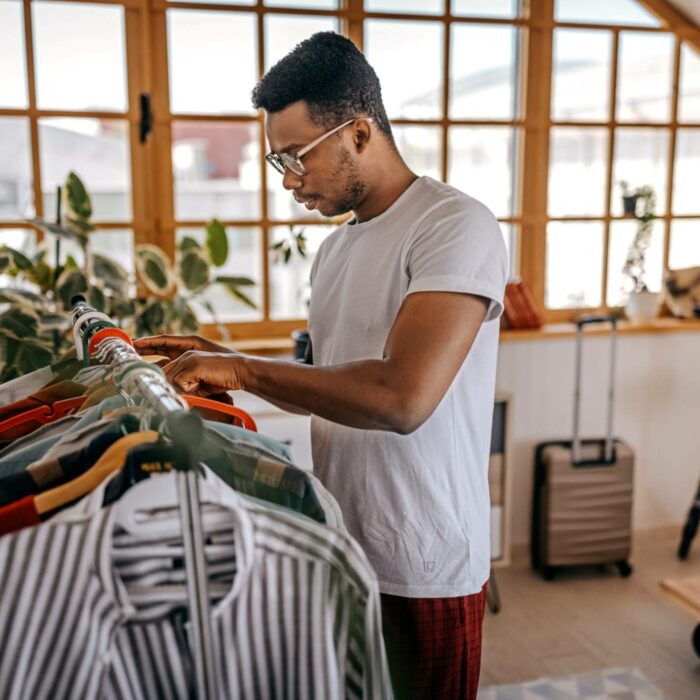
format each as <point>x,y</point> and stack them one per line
<point>580,325</point>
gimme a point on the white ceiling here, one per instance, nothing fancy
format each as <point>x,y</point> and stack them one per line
<point>690,8</point>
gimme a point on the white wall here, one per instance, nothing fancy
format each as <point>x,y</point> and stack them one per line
<point>657,413</point>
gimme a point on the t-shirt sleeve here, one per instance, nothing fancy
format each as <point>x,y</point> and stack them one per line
<point>460,248</point>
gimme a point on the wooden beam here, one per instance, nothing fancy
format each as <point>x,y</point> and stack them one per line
<point>674,20</point>
<point>535,163</point>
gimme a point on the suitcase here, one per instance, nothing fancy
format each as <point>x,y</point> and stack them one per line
<point>582,505</point>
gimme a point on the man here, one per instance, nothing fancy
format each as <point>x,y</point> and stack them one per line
<point>404,333</point>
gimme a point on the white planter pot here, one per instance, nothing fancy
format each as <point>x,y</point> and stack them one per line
<point>642,306</point>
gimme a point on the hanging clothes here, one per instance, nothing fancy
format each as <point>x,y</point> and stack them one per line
<point>301,619</point>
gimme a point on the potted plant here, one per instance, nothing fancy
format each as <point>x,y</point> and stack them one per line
<point>642,305</point>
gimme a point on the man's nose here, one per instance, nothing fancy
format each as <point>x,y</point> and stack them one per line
<point>290,181</point>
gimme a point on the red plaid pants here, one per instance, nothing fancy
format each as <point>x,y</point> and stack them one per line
<point>434,645</point>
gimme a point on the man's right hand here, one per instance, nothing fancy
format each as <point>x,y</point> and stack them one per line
<point>172,346</point>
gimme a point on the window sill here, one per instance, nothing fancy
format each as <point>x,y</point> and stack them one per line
<point>568,330</point>
<point>284,346</point>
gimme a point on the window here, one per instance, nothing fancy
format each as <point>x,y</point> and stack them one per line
<point>607,112</point>
<point>614,116</point>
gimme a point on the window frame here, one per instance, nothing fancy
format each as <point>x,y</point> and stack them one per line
<point>153,216</point>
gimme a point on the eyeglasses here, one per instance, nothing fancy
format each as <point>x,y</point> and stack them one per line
<point>292,161</point>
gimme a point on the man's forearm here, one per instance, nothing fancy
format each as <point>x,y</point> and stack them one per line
<point>360,394</point>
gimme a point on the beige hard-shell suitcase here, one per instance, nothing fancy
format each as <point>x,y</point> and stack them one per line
<point>582,505</point>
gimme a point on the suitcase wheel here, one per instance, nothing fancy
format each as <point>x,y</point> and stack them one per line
<point>548,573</point>
<point>624,568</point>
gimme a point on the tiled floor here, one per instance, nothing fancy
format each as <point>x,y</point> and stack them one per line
<point>608,684</point>
<point>588,619</point>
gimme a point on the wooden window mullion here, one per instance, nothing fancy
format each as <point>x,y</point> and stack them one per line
<point>536,147</point>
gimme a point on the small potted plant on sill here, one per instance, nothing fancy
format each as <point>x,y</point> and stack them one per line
<point>642,305</point>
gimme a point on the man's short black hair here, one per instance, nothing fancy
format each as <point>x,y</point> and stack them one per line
<point>332,76</point>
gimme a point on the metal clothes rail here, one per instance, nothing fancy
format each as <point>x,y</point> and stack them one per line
<point>96,335</point>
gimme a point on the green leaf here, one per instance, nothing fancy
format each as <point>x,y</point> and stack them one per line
<point>217,242</point>
<point>60,231</point>
<point>50,322</point>
<point>187,319</point>
<point>5,261</point>
<point>187,243</point>
<point>194,271</point>
<point>77,197</point>
<point>42,275</point>
<point>278,245</point>
<point>235,281</point>
<point>114,276</point>
<point>21,297</point>
<point>21,261</point>
<point>287,255</point>
<point>39,256</point>
<point>32,355</point>
<point>149,318</point>
<point>153,269</point>
<point>70,263</point>
<point>70,282</point>
<point>20,322</point>
<point>236,293</point>
<point>96,298</point>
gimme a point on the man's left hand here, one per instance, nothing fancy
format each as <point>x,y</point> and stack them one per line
<point>204,373</point>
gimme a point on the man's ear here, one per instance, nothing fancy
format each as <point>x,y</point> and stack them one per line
<point>362,133</point>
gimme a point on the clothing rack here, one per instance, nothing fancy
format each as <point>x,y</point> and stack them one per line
<point>95,334</point>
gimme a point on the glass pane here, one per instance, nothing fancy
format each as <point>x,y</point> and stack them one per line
<point>686,190</point>
<point>485,8</point>
<point>420,147</point>
<point>16,182</point>
<point>284,32</point>
<point>213,61</point>
<point>289,282</point>
<point>22,239</point>
<point>685,244</point>
<point>407,57</point>
<point>216,170</point>
<point>645,77</point>
<point>621,236</point>
<point>115,244</point>
<point>423,7</point>
<point>641,158</point>
<point>482,72</point>
<point>312,4</point>
<point>481,164</point>
<point>98,151</point>
<point>13,86</point>
<point>244,260</point>
<point>689,93</point>
<point>80,56</point>
<point>574,271</point>
<point>578,160</point>
<point>581,77</point>
<point>604,12</point>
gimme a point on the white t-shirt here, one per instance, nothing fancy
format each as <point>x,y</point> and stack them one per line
<point>419,503</point>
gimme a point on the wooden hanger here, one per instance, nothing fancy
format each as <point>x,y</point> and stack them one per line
<point>111,461</point>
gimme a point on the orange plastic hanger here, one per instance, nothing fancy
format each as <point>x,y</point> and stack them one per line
<point>245,418</point>
<point>42,414</point>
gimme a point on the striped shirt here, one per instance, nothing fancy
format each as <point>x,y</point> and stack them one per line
<point>301,618</point>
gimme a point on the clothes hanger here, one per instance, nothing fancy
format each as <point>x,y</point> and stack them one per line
<point>109,463</point>
<point>245,418</point>
<point>42,414</point>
